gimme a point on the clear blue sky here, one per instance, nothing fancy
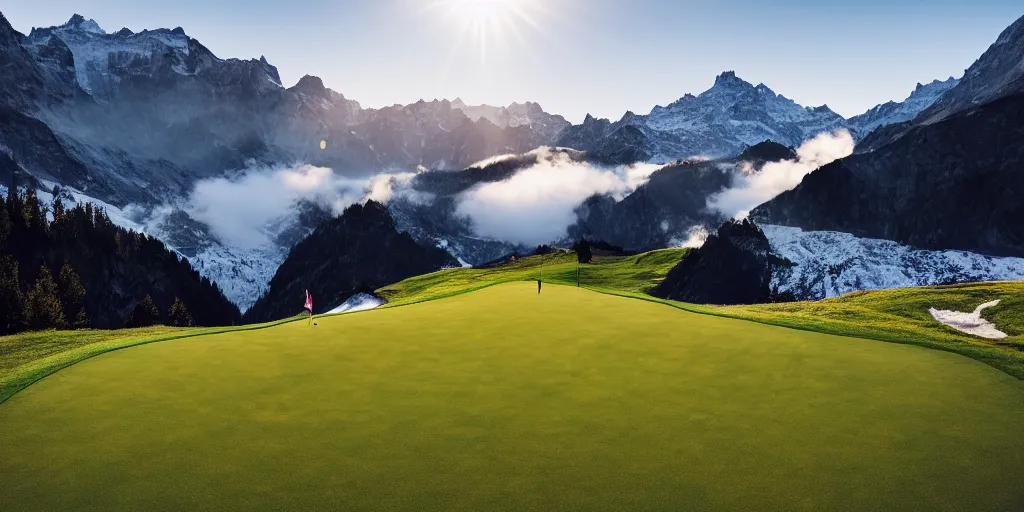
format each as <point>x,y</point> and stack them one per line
<point>577,56</point>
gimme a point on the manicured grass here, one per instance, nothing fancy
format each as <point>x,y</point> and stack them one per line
<point>906,310</point>
<point>623,273</point>
<point>27,357</point>
<point>899,315</point>
<point>505,400</point>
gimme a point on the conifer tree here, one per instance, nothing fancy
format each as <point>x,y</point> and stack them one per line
<point>72,297</point>
<point>178,315</point>
<point>144,314</point>
<point>56,206</point>
<point>30,208</point>
<point>42,304</point>
<point>5,224</point>
<point>12,305</point>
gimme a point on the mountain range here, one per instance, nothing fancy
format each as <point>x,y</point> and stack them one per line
<point>140,122</point>
<point>951,178</point>
<point>730,116</point>
<point>132,117</point>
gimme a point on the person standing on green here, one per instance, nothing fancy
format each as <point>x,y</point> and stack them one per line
<point>538,287</point>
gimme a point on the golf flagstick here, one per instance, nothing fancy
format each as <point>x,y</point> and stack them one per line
<point>309,307</point>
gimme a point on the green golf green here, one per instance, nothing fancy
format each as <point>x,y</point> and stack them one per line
<point>501,399</point>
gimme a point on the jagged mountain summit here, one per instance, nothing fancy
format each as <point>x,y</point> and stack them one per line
<point>892,112</point>
<point>531,114</point>
<point>138,120</point>
<point>949,179</point>
<point>140,116</point>
<point>998,73</point>
<point>730,116</point>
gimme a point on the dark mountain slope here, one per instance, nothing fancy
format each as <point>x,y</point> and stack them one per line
<point>658,213</point>
<point>734,266</point>
<point>998,73</point>
<point>359,251</point>
<point>954,184</point>
<point>117,268</point>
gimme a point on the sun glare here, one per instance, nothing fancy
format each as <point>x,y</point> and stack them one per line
<point>486,24</point>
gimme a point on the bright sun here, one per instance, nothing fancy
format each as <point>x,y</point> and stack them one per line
<point>489,23</point>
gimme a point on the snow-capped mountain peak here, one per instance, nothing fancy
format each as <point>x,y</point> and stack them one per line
<point>78,22</point>
<point>527,114</point>
<point>998,73</point>
<point>311,86</point>
<point>102,60</point>
<point>723,120</point>
<point>731,115</point>
<point>892,112</point>
<point>729,80</point>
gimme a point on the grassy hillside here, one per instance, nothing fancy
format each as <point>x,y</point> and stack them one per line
<point>505,400</point>
<point>27,357</point>
<point>906,311</point>
<point>891,315</point>
<point>623,273</point>
<point>899,315</point>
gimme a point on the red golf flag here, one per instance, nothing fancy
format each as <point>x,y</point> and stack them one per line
<point>309,301</point>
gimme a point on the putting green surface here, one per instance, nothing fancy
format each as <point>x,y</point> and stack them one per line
<point>502,399</point>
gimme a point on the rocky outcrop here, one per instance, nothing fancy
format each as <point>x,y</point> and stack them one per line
<point>954,184</point>
<point>734,266</point>
<point>357,252</point>
<point>663,211</point>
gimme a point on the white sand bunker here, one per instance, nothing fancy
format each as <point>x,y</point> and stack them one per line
<point>357,302</point>
<point>971,323</point>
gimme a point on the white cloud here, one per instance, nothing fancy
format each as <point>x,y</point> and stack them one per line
<point>383,187</point>
<point>536,204</point>
<point>694,238</point>
<point>750,190</point>
<point>242,211</point>
<point>492,160</point>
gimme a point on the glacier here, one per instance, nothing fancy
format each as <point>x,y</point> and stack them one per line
<point>829,264</point>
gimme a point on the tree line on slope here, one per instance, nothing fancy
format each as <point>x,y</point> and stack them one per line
<point>69,268</point>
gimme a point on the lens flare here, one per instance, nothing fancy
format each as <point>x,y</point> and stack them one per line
<point>489,23</point>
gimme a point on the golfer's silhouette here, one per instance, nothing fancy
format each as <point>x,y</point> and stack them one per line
<point>538,287</point>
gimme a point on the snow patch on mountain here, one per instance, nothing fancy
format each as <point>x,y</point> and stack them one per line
<point>893,112</point>
<point>243,274</point>
<point>829,264</point>
<point>96,53</point>
<point>998,73</point>
<point>527,114</point>
<point>730,116</point>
